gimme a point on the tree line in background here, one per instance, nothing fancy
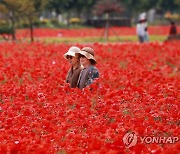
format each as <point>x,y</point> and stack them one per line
<point>13,12</point>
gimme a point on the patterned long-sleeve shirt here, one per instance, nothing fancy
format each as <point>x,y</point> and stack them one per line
<point>87,76</point>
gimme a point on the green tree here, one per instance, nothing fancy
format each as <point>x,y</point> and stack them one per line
<point>82,7</point>
<point>169,5</point>
<point>177,2</point>
<point>134,7</point>
<point>77,7</point>
<point>137,6</point>
<point>87,9</point>
<point>15,10</point>
<point>12,11</point>
<point>57,5</point>
<point>61,6</point>
<point>31,11</point>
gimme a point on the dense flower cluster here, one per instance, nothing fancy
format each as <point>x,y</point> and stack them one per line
<point>138,90</point>
<point>92,32</point>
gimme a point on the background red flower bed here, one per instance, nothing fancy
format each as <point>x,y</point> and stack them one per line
<point>138,90</point>
<point>92,32</point>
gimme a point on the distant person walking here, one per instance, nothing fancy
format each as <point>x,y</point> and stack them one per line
<point>142,29</point>
<point>173,29</point>
<point>90,72</point>
<point>75,69</point>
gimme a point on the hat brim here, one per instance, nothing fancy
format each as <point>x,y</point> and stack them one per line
<point>87,55</point>
<point>142,20</point>
<point>69,53</point>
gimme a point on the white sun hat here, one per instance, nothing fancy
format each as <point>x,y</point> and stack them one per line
<point>71,52</point>
<point>142,16</point>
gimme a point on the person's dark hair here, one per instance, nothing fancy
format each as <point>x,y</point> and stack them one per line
<point>78,56</point>
<point>172,23</point>
<point>92,62</point>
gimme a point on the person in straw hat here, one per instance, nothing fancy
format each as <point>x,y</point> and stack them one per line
<point>73,73</point>
<point>89,72</point>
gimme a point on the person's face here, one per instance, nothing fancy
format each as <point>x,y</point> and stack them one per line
<point>84,61</point>
<point>72,60</point>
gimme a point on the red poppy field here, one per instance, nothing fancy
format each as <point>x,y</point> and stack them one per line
<point>138,91</point>
<point>91,32</point>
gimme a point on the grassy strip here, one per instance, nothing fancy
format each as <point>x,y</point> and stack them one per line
<point>113,39</point>
<point>152,38</point>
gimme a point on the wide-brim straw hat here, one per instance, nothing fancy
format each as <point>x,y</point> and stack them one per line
<point>71,52</point>
<point>88,53</point>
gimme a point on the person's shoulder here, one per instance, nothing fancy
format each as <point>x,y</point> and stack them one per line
<point>93,70</point>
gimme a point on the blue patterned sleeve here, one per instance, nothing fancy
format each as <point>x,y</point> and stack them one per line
<point>93,74</point>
